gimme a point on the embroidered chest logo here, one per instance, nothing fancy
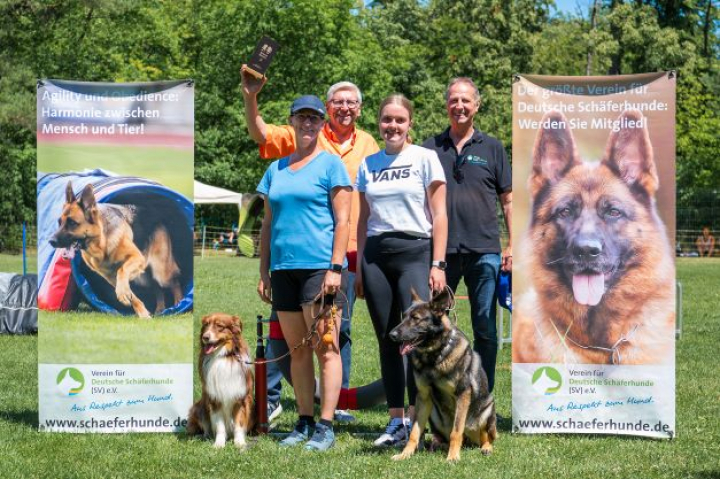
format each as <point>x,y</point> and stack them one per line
<point>392,173</point>
<point>476,160</point>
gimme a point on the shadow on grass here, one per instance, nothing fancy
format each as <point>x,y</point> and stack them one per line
<point>25,417</point>
<point>440,450</point>
<point>706,474</point>
<point>504,424</point>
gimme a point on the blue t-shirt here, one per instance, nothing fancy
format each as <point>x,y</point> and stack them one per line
<point>303,224</point>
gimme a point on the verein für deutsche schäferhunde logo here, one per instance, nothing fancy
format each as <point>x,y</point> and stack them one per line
<point>546,380</point>
<point>70,382</point>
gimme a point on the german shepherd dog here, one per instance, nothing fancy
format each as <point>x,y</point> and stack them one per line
<point>106,235</point>
<point>600,261</point>
<point>452,386</point>
<point>226,404</point>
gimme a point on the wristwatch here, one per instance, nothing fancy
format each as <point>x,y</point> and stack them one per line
<point>336,268</point>
<point>441,265</point>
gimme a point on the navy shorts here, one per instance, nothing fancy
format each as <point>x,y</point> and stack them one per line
<point>292,288</point>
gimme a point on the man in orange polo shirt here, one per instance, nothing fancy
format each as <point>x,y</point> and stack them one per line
<point>341,137</point>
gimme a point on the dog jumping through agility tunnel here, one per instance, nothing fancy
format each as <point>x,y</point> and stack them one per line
<point>65,279</point>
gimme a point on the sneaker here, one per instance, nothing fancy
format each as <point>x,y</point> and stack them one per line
<point>274,410</point>
<point>300,434</point>
<point>322,440</point>
<point>395,435</point>
<point>343,415</point>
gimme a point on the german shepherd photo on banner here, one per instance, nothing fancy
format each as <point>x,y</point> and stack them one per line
<point>116,248</point>
<point>597,254</point>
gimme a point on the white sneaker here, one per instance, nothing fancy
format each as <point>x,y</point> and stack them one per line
<point>395,435</point>
<point>274,410</point>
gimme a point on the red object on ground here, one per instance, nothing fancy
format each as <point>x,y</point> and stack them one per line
<point>261,396</point>
<point>348,399</point>
<point>261,414</point>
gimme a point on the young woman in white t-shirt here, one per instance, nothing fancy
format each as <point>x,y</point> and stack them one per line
<point>402,235</point>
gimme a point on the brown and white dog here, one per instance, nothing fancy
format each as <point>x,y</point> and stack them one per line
<point>226,404</point>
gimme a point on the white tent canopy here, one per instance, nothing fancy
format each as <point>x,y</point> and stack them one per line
<point>206,194</point>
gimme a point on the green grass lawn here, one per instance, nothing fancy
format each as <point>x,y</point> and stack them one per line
<point>13,263</point>
<point>147,162</point>
<point>228,284</point>
<point>96,338</point>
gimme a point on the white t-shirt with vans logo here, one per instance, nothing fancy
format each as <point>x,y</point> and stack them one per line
<point>395,188</point>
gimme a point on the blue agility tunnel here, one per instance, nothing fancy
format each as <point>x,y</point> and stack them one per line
<point>65,279</point>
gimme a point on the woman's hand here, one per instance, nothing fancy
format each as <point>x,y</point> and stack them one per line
<point>264,289</point>
<point>332,281</point>
<point>437,280</point>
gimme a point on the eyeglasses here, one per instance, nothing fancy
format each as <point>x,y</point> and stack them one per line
<point>458,174</point>
<point>349,104</point>
<point>314,119</point>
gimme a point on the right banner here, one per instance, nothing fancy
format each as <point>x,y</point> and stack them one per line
<point>593,346</point>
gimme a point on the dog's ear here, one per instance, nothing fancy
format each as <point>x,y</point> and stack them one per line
<point>554,153</point>
<point>442,301</point>
<point>87,202</point>
<point>629,152</point>
<point>69,193</point>
<point>237,322</point>
<point>414,296</point>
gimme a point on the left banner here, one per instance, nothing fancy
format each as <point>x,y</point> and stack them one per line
<point>115,255</point>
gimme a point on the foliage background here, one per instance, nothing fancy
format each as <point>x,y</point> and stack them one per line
<point>408,46</point>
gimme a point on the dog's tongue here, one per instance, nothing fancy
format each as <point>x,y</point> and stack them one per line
<point>209,348</point>
<point>405,348</point>
<point>588,288</point>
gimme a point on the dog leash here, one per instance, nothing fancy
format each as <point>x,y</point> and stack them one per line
<point>308,339</point>
<point>614,350</point>
<point>451,308</point>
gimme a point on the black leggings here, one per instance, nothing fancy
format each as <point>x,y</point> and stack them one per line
<point>392,264</point>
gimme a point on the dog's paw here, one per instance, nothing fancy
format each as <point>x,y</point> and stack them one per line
<point>123,294</point>
<point>486,450</point>
<point>241,446</point>
<point>218,444</point>
<point>437,444</point>
<point>453,456</point>
<point>402,456</point>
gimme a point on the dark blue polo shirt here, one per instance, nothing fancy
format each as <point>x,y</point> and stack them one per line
<point>475,179</point>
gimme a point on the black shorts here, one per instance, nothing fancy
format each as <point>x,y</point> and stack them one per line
<point>292,288</point>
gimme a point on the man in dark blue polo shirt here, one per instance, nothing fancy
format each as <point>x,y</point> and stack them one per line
<point>478,173</point>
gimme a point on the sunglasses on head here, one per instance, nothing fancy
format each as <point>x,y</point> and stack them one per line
<point>457,168</point>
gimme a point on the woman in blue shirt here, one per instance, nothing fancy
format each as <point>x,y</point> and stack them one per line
<point>303,244</point>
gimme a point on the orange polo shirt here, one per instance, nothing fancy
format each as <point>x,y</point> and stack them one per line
<point>280,142</point>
